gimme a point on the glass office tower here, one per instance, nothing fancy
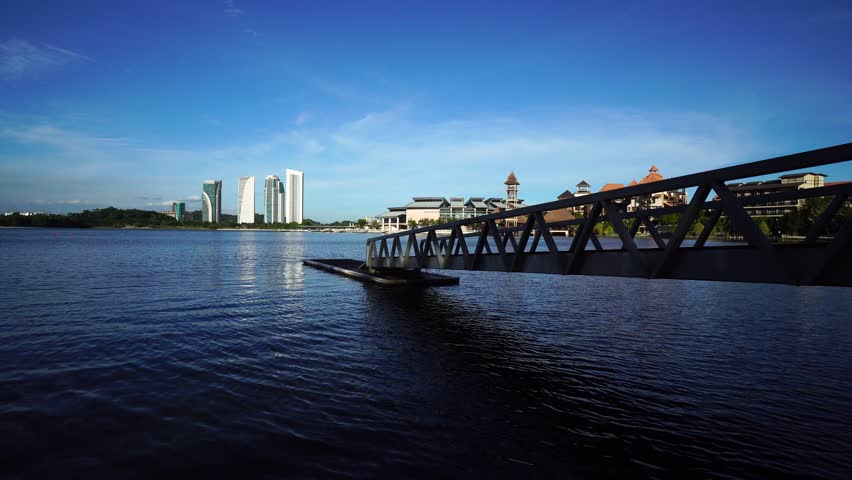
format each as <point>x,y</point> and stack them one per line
<point>211,201</point>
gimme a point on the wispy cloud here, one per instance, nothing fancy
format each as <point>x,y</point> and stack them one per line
<point>303,117</point>
<point>231,9</point>
<point>398,153</point>
<point>168,203</point>
<point>62,138</point>
<point>73,202</point>
<point>20,58</point>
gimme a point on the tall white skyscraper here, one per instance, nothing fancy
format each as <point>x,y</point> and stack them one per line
<point>294,203</point>
<point>245,200</point>
<point>273,200</point>
<point>280,199</point>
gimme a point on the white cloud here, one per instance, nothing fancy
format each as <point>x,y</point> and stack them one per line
<point>231,9</point>
<point>19,58</point>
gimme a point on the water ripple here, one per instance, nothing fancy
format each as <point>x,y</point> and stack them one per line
<point>145,353</point>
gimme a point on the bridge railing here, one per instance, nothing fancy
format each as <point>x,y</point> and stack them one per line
<point>497,248</point>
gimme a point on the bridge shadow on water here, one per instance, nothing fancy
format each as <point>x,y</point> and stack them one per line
<point>509,403</point>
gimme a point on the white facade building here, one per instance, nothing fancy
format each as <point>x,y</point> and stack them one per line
<point>294,203</point>
<point>245,200</point>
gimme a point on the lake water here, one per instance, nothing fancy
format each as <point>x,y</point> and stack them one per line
<point>141,353</point>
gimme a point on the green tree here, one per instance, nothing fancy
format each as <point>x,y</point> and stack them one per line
<point>362,222</point>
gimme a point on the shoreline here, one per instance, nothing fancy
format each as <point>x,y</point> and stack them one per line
<point>196,229</point>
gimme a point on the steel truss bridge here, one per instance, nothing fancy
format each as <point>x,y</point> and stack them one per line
<point>530,247</point>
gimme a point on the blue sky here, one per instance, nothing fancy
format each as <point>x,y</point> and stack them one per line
<point>134,104</point>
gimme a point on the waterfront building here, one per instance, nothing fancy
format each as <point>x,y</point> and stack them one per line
<point>393,220</point>
<point>785,183</point>
<point>273,208</point>
<point>294,200</point>
<point>439,209</point>
<point>459,209</point>
<point>178,209</point>
<point>654,200</point>
<point>670,198</point>
<point>211,201</point>
<point>425,208</point>
<point>245,200</point>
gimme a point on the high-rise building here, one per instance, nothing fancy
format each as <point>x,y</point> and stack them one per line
<point>211,201</point>
<point>294,202</point>
<point>273,210</point>
<point>280,199</point>
<point>178,208</point>
<point>245,200</point>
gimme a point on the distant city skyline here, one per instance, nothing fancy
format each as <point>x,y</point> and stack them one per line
<point>134,105</point>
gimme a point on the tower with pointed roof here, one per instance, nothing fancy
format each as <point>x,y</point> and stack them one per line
<point>512,184</point>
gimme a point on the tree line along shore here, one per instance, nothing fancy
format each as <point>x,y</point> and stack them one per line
<point>791,224</point>
<point>112,217</point>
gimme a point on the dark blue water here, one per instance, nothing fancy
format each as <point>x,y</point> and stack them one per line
<point>142,353</point>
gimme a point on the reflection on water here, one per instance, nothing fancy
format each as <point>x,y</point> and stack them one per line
<point>247,261</point>
<point>143,353</point>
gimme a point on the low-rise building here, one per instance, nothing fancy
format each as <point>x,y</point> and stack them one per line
<point>393,220</point>
<point>786,183</point>
<point>24,214</point>
<point>644,202</point>
<point>425,208</point>
<point>439,209</point>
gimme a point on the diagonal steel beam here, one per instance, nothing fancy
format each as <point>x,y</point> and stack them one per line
<point>462,245</point>
<point>627,242</point>
<point>495,235</point>
<point>822,222</point>
<point>586,229</point>
<point>708,228</point>
<point>432,238</point>
<point>682,229</point>
<point>383,250</point>
<point>595,241</point>
<point>655,234</point>
<point>544,231</point>
<point>740,218</point>
<point>634,228</point>
<point>396,248</point>
<point>578,246</point>
<point>520,250</point>
<point>511,237</point>
<point>481,243</point>
<point>536,238</point>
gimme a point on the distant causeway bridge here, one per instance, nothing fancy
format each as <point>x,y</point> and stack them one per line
<point>530,246</point>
